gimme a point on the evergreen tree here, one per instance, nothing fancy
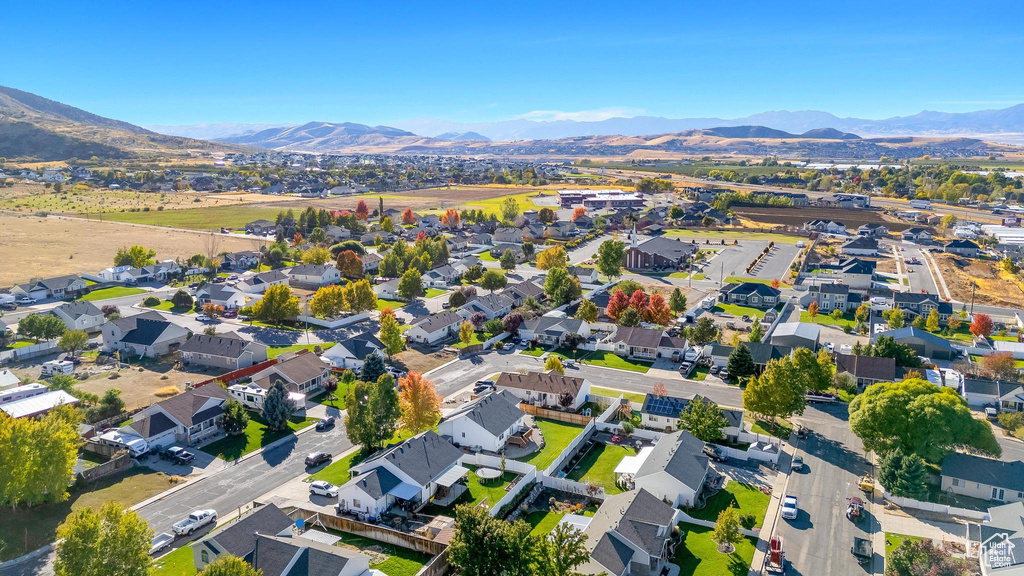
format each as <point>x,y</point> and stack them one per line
<point>277,407</point>
<point>373,368</point>
<point>741,363</point>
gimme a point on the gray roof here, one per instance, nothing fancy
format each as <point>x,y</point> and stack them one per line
<point>681,455</point>
<point>186,406</point>
<point>226,345</point>
<point>912,333</point>
<point>670,248</point>
<point>495,412</point>
<point>798,329</point>
<point>238,538</point>
<point>147,328</point>
<point>862,243</point>
<point>761,352</point>
<point>1008,475</point>
<point>422,457</point>
<point>554,325</point>
<point>154,425</point>
<point>295,368</point>
<point>673,406</point>
<point>637,336</point>
<point>377,482</point>
<point>550,382</point>
<point>635,517</point>
<point>748,288</point>
<point>76,310</point>
<point>438,321</point>
<point>870,367</point>
<point>978,386</point>
<point>493,302</point>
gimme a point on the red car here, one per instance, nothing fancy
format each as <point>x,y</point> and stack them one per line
<point>231,314</point>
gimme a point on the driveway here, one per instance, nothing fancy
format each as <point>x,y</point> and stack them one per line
<point>203,463</point>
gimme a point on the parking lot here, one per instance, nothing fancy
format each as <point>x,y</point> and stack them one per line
<point>732,260</point>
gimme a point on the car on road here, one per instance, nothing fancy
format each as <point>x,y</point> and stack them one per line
<point>483,386</point>
<point>178,455</point>
<point>194,521</point>
<point>26,301</point>
<point>317,458</point>
<point>325,423</point>
<point>798,464</point>
<point>789,508</point>
<point>323,488</point>
<point>508,346</point>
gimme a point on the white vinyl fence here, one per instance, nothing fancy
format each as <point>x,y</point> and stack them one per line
<point>940,508</point>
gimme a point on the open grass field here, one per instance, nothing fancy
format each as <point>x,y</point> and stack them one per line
<point>256,436</point>
<point>70,246</point>
<point>211,218</point>
<point>737,310</point>
<point>607,359</point>
<point>824,319</point>
<point>698,555</point>
<point>797,216</point>
<point>35,198</point>
<point>746,498</point>
<point>557,436</point>
<point>25,529</point>
<point>112,292</point>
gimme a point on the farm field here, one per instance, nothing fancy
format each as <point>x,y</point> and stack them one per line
<point>212,218</point>
<point>797,216</point>
<point>35,198</point>
<point>70,246</point>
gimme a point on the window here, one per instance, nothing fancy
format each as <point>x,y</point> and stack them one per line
<point>956,481</point>
<point>355,503</point>
<point>204,556</point>
<point>463,434</point>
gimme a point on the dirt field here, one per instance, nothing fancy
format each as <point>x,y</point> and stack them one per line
<point>31,246</point>
<point>416,361</point>
<point>853,219</point>
<point>35,198</point>
<point>995,286</point>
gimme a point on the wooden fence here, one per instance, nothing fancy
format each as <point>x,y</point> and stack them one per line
<point>376,532</point>
<point>567,417</point>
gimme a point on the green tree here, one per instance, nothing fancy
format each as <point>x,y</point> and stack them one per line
<point>554,363</point>
<point>777,393</point>
<point>230,566</point>
<point>390,333</point>
<point>72,341</point>
<point>862,313</point>
<point>483,545</point>
<point>392,265</point>
<point>894,317</point>
<point>493,280</point>
<point>703,332</point>
<point>564,549</point>
<point>561,287</point>
<point>318,237</point>
<point>41,326</point>
<point>136,256</point>
<point>741,363</point>
<point>508,261</point>
<point>411,285</point>
<point>510,210</point>
<point>630,318</point>
<point>373,368</point>
<point>703,418</point>
<point>236,417</point>
<point>609,258</point>
<point>677,302</point>
<point>182,300</point>
<point>903,474</point>
<point>921,557</point>
<point>587,311</point>
<point>727,529</point>
<point>109,542</point>
<point>756,332</point>
<point>372,412</point>
<point>359,296</point>
<point>277,305</point>
<point>277,407</point>
<point>328,302</point>
<point>888,347</point>
<point>554,257</point>
<point>919,418</point>
<point>814,371</point>
<point>38,459</point>
<point>932,323</point>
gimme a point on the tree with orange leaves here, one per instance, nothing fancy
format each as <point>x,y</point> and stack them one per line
<point>420,403</point>
<point>616,304</point>
<point>408,217</point>
<point>362,211</point>
<point>350,265</point>
<point>451,218</point>
<point>297,239</point>
<point>981,325</point>
<point>660,390</point>
<point>776,283</point>
<point>638,301</point>
<point>421,236</point>
<point>658,311</point>
<point>578,213</point>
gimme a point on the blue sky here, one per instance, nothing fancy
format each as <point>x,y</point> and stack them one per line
<point>378,62</point>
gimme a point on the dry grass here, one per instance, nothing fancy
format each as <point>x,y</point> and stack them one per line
<point>798,216</point>
<point>142,387</point>
<point>34,198</point>
<point>167,391</point>
<point>994,286</point>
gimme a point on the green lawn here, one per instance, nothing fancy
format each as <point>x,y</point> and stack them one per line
<point>609,360</point>
<point>337,400</point>
<point>782,428</point>
<point>393,304</point>
<point>698,555</point>
<point>260,324</point>
<point>112,292</point>
<point>893,541</point>
<point>178,563</point>
<point>598,466</point>
<point>400,561</point>
<point>825,319</point>
<point>557,436</point>
<point>337,472</point>
<point>544,522</point>
<point>168,306</point>
<point>534,350</point>
<point>700,373</point>
<point>746,498</point>
<point>256,436</point>
<point>477,338</point>
<point>275,351</point>
<point>737,310</point>
<point>434,292</point>
<point>24,529</point>
<point>22,343</point>
<point>613,393</point>
<point>197,218</point>
<point>486,256</point>
<point>476,492</point>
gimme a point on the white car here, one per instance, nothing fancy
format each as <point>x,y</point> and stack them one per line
<point>26,301</point>
<point>846,349</point>
<point>195,520</point>
<point>691,355</point>
<point>323,488</point>
<point>789,508</point>
<point>830,347</point>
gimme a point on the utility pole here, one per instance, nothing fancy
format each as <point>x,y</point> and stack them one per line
<point>973,286</point>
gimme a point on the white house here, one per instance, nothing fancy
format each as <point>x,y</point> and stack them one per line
<point>313,275</point>
<point>984,478</point>
<point>435,328</point>
<point>662,413</point>
<point>302,372</point>
<point>439,277</point>
<point>352,353</point>
<point>186,418</point>
<point>258,283</point>
<point>411,472</point>
<point>546,389</point>
<point>388,290</point>
<point>58,287</point>
<point>226,350</point>
<point>495,305</point>
<point>553,330</point>
<point>80,315</point>
<point>146,334</point>
<point>629,535</point>
<point>225,296</point>
<point>485,423</point>
<point>675,470</point>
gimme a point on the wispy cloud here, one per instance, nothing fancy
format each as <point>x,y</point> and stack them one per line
<point>595,115</point>
<point>1011,101</point>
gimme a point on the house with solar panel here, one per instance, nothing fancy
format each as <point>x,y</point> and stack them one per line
<point>422,469</point>
<point>662,413</point>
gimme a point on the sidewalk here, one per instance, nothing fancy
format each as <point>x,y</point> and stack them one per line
<point>771,516</point>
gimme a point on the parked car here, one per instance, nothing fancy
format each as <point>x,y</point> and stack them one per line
<point>715,453</point>
<point>317,458</point>
<point>26,301</point>
<point>830,347</point>
<point>723,374</point>
<point>715,369</point>
<point>325,423</point>
<point>789,508</point>
<point>692,354</point>
<point>798,464</point>
<point>231,314</point>
<point>483,386</point>
<point>685,367</point>
<point>508,346</point>
<point>395,372</point>
<point>194,521</point>
<point>177,455</point>
<point>846,349</point>
<point>323,488</point>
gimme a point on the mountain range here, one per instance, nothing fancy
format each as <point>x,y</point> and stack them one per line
<point>42,129</point>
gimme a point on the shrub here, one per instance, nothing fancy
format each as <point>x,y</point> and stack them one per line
<point>748,521</point>
<point>1010,420</point>
<point>151,301</point>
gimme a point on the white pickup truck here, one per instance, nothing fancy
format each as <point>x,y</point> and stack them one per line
<point>195,520</point>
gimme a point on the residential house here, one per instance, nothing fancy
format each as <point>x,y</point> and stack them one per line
<point>552,330</point>
<point>388,290</point>
<point>494,305</point>
<point>226,350</point>
<point>258,283</point>
<point>261,228</point>
<point>58,288</point>
<point>435,328</point>
<point>866,370</point>
<point>675,470</point>
<point>658,254</point>
<point>629,535</point>
<point>546,389</point>
<point>873,229</point>
<point>507,236</point>
<point>439,277</point>
<point>830,297</point>
<point>499,250</point>
<point>1004,396</point>
<point>662,413</point>
<point>146,335</point>
<point>917,235</point>
<point>916,304</point>
<point>586,275</point>
<point>226,296</point>
<point>409,474</point>
<point>463,265</point>
<point>523,290</point>
<point>1000,538</point>
<point>313,276</point>
<point>962,248</point>
<point>32,400</point>
<point>853,272</point>
<point>860,246</point>
<point>371,262</point>
<point>301,372</point>
<point>188,418</point>
<point>984,478</point>
<point>485,423</point>
<point>243,260</point>
<point>80,315</point>
<point>337,233</point>
<point>826,226</point>
<point>351,353</point>
<point>636,342</point>
<point>796,335</point>
<point>762,353</point>
<point>751,294</point>
<point>923,343</point>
